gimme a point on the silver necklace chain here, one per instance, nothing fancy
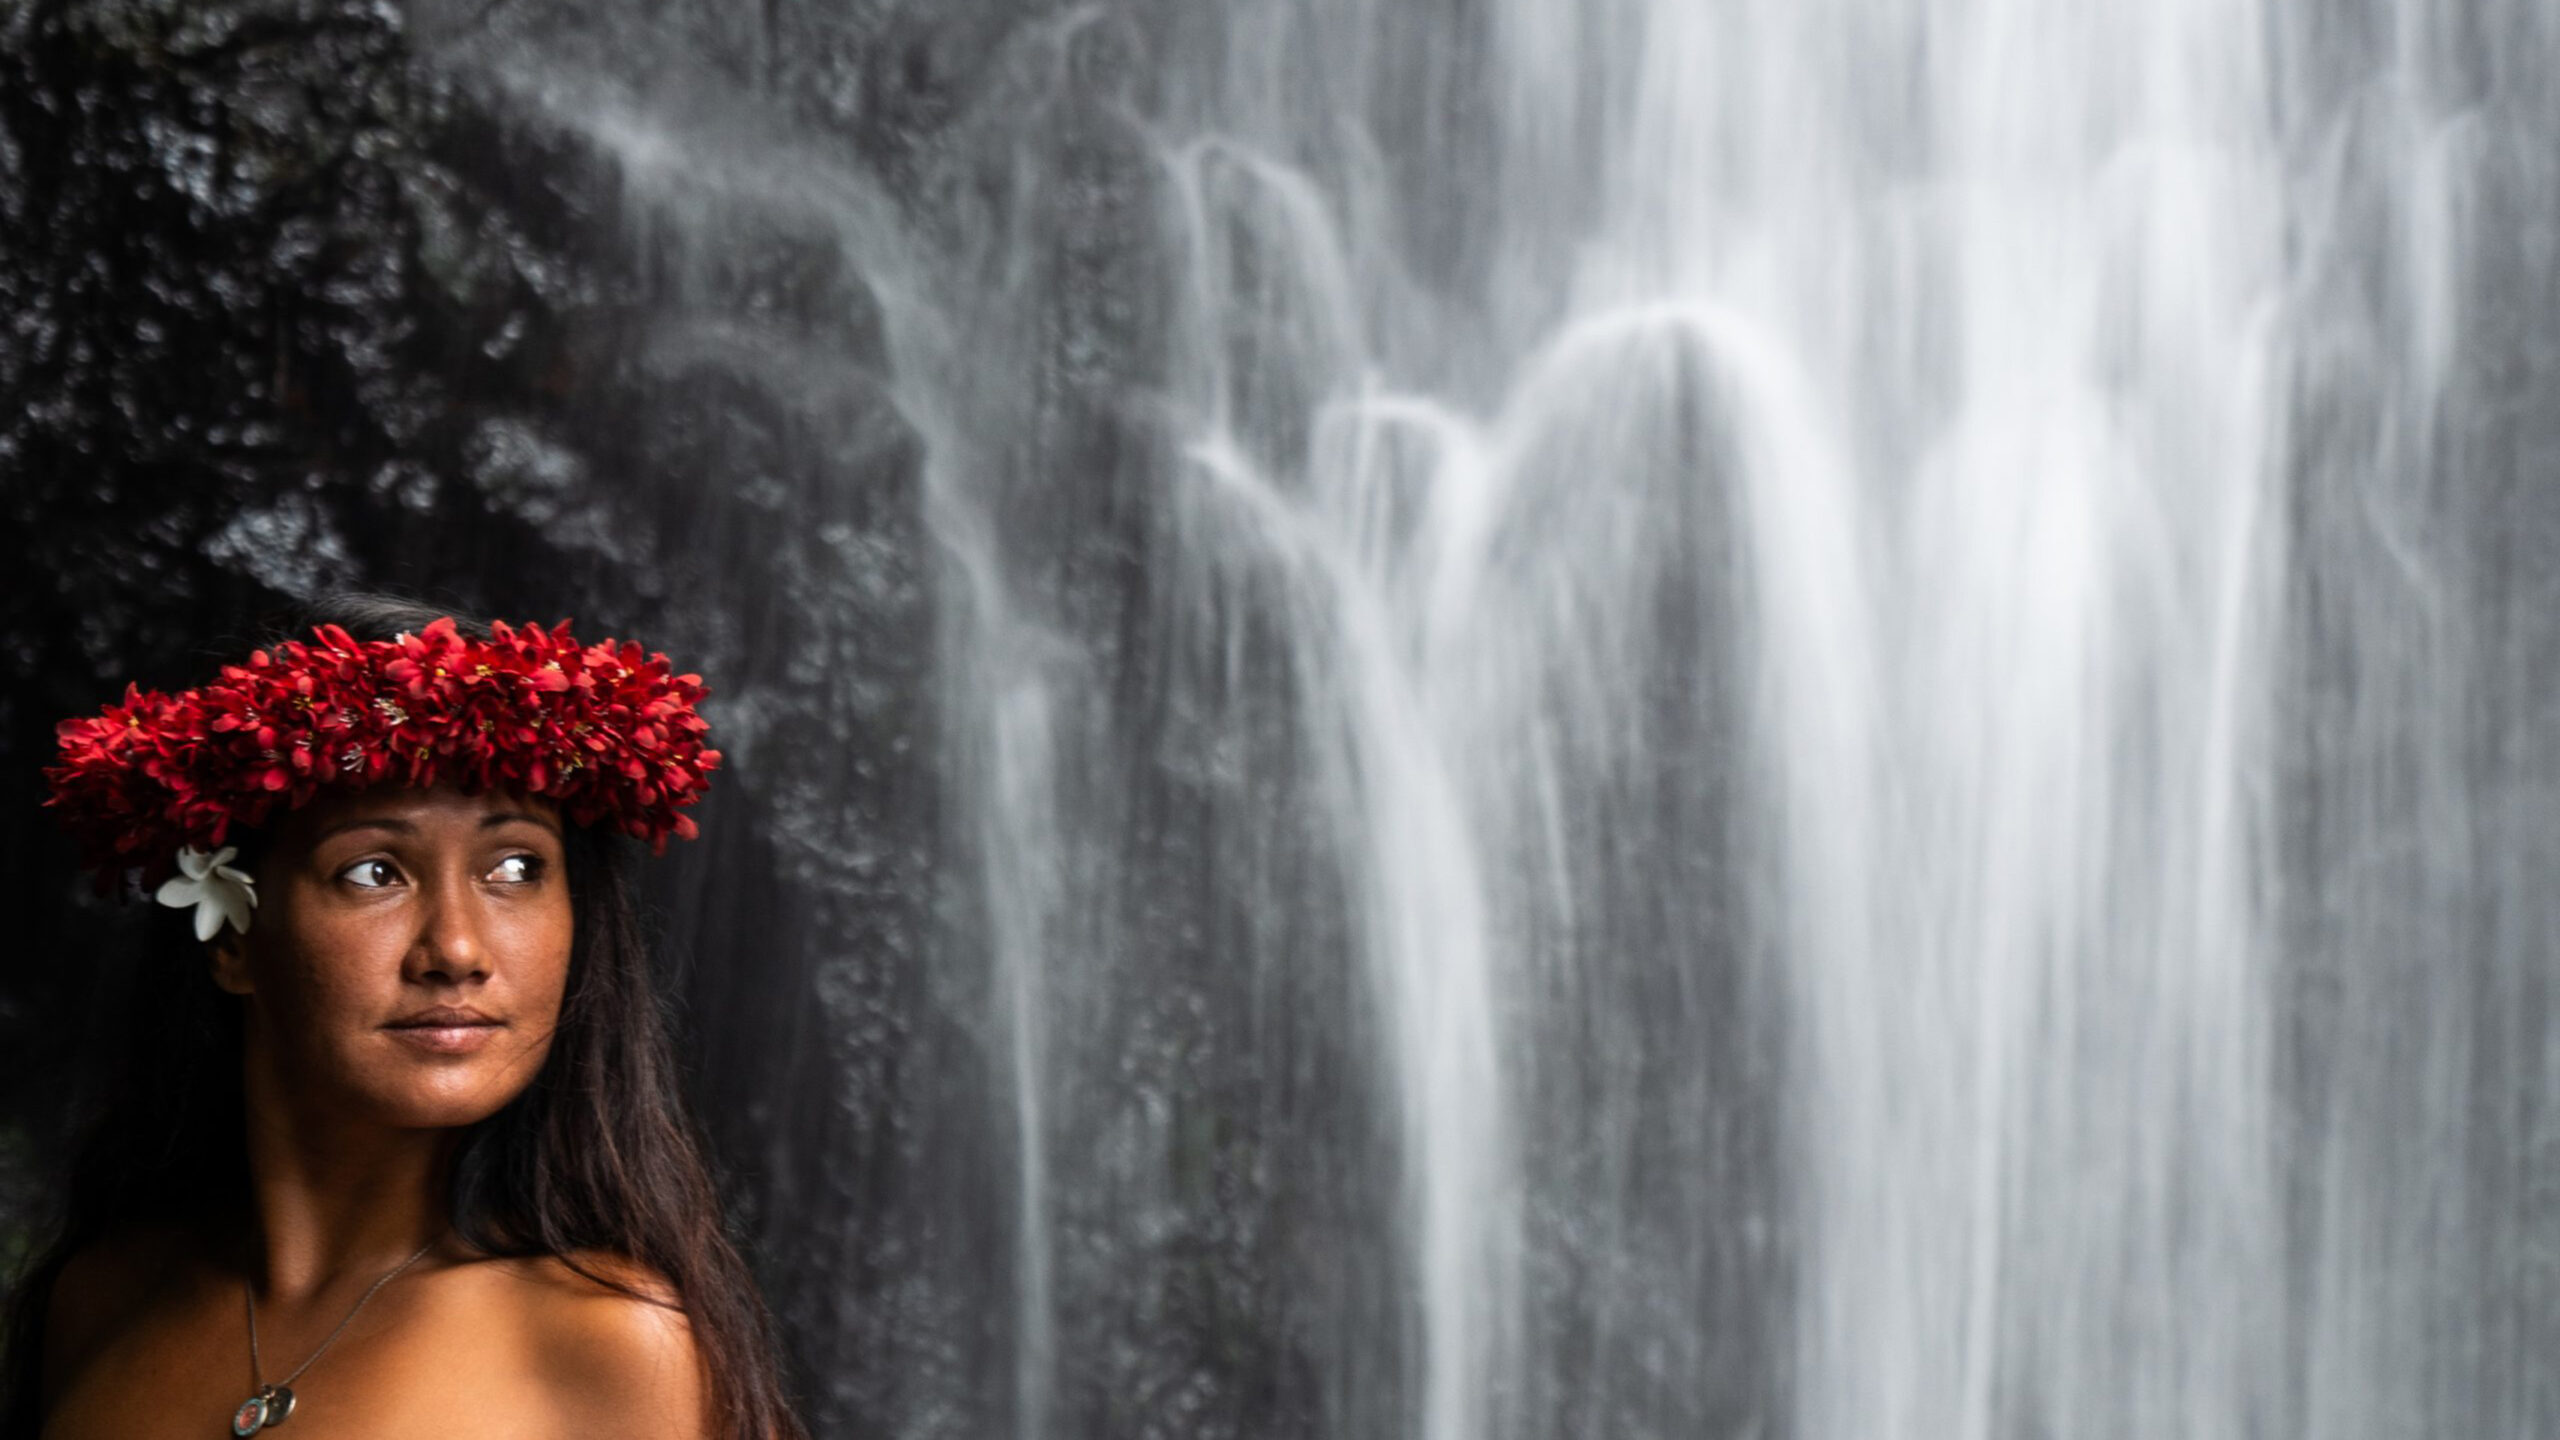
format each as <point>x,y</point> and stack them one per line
<point>249,1291</point>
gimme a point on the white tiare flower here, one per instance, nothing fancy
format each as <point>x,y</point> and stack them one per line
<point>217,891</point>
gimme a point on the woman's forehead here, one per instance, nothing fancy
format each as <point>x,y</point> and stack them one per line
<point>419,806</point>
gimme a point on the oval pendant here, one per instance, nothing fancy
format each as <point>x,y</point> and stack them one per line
<point>251,1417</point>
<point>279,1404</point>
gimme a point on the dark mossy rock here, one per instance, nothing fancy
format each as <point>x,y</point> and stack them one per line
<point>285,308</point>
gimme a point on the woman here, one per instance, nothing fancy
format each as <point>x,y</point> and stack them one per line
<point>398,1149</point>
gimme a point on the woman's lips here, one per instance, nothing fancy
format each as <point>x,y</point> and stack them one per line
<point>444,1039</point>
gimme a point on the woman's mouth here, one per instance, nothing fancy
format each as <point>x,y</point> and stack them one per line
<point>445,1039</point>
<point>446,1030</point>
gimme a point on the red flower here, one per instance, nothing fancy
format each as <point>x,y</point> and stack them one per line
<point>607,731</point>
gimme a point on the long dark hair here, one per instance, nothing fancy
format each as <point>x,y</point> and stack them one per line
<point>597,1157</point>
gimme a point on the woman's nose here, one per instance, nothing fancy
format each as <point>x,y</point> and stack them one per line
<point>452,944</point>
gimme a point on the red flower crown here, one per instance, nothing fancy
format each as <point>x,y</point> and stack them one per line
<point>605,732</point>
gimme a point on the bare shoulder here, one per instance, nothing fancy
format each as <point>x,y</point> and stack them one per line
<point>610,1345</point>
<point>100,1288</point>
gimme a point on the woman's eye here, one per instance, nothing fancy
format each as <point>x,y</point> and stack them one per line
<point>371,874</point>
<point>518,869</point>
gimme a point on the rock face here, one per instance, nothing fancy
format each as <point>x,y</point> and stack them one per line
<point>285,310</point>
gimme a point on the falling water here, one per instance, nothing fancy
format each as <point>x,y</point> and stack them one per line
<point>1911,424</point>
<point>1653,713</point>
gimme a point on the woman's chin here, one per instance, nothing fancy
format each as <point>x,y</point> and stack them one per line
<point>434,1111</point>
<point>428,1088</point>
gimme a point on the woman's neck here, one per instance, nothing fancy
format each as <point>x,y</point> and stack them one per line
<point>332,1195</point>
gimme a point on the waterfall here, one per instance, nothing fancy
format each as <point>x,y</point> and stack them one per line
<point>1686,718</point>
<point>1882,460</point>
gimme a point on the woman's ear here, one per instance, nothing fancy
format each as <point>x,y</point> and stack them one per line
<point>227,955</point>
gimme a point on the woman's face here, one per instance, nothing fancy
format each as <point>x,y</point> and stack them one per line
<point>408,953</point>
